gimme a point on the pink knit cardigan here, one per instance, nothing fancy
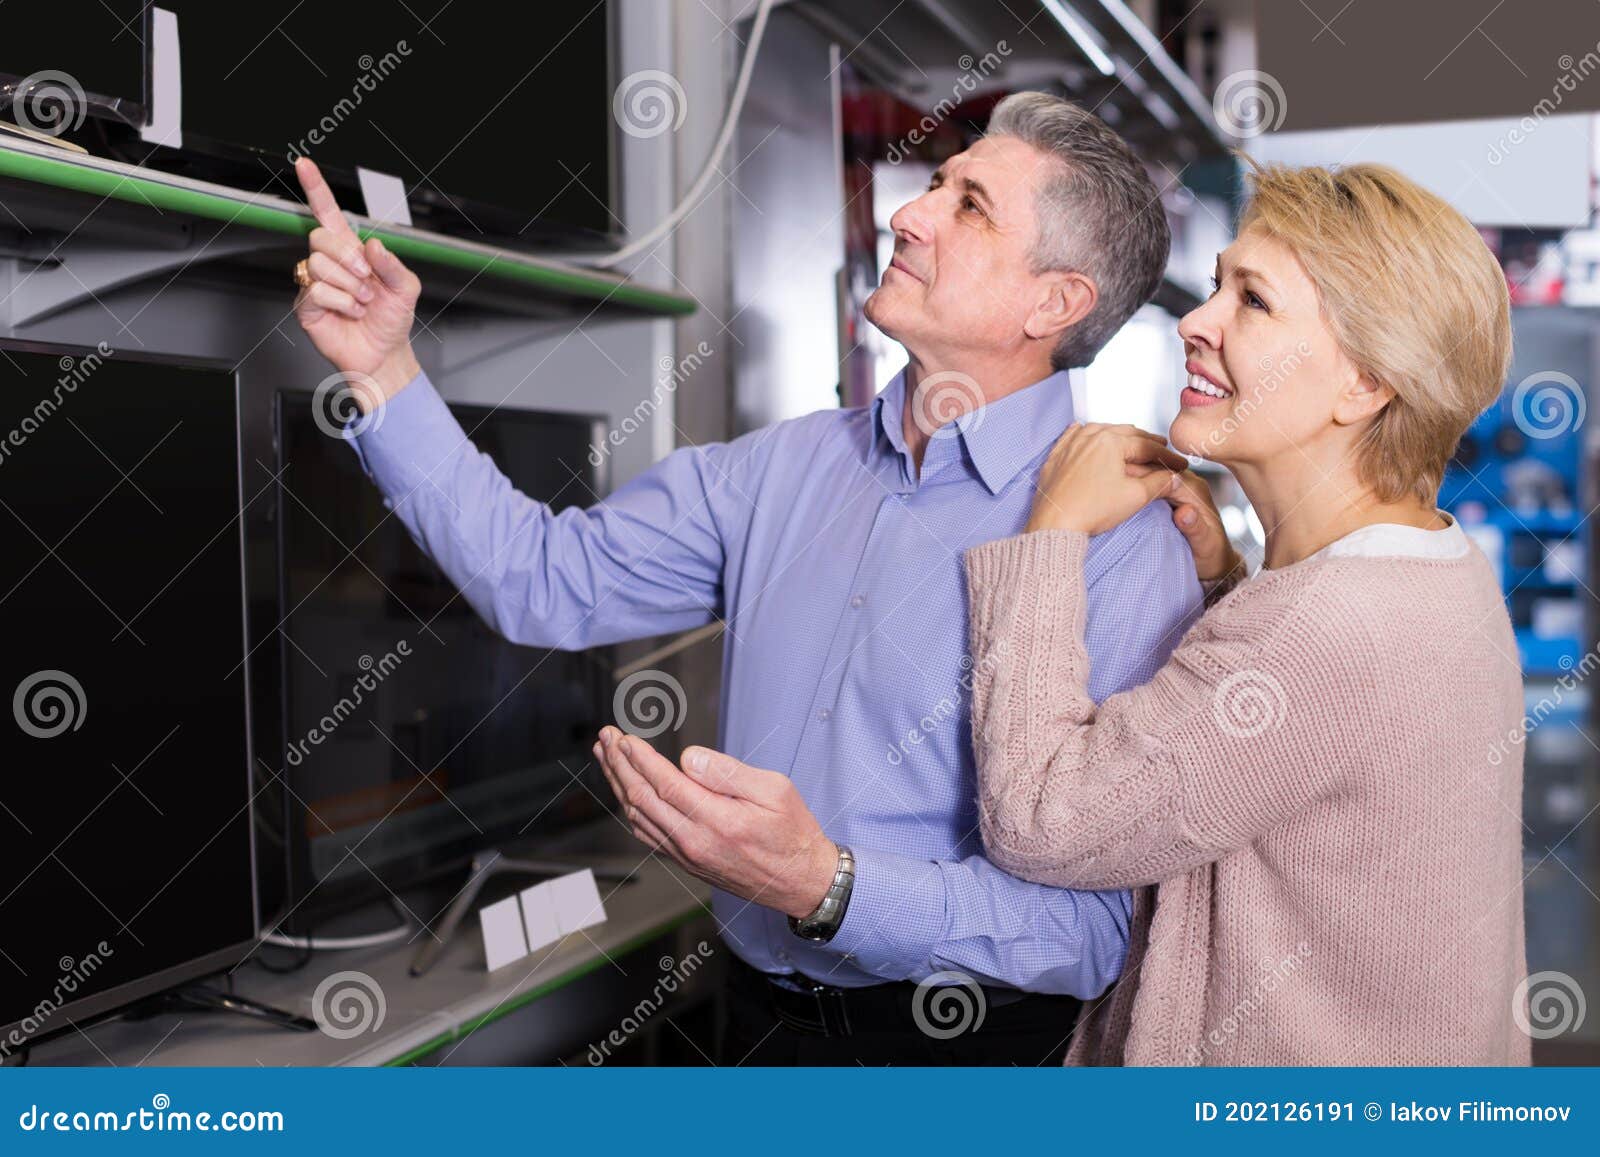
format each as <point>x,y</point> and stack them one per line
<point>1318,802</point>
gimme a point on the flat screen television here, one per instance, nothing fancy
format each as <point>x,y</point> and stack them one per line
<point>414,735</point>
<point>82,58</point>
<point>497,119</point>
<point>126,856</point>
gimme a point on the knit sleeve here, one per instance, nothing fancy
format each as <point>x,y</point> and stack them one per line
<point>1242,728</point>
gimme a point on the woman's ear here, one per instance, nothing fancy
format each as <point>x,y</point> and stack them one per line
<point>1068,299</point>
<point>1361,400</point>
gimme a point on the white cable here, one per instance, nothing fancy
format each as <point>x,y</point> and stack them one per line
<point>713,162</point>
<point>338,943</point>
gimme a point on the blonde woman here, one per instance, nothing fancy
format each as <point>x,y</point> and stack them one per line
<point>1328,863</point>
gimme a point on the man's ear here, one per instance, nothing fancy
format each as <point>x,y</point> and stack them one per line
<point>1361,399</point>
<point>1067,300</point>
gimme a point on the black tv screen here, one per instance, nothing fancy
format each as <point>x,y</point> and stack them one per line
<point>497,119</point>
<point>414,734</point>
<point>125,837</point>
<point>84,56</point>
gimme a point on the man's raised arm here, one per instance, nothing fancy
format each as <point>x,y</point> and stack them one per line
<point>646,561</point>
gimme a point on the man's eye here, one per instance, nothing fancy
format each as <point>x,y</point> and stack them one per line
<point>969,203</point>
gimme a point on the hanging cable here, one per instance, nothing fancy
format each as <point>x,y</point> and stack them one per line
<point>713,163</point>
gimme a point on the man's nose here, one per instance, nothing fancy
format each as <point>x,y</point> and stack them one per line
<point>911,223</point>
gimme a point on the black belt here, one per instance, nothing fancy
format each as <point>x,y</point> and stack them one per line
<point>809,1006</point>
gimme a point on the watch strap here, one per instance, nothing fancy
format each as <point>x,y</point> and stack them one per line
<point>822,922</point>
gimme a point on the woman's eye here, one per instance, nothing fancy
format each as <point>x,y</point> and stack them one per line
<point>969,203</point>
<point>1254,302</point>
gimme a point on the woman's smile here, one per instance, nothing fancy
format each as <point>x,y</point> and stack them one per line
<point>1201,389</point>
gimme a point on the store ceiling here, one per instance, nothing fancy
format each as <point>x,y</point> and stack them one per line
<point>1094,51</point>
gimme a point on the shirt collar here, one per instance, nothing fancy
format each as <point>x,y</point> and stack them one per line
<point>1385,539</point>
<point>1000,438</point>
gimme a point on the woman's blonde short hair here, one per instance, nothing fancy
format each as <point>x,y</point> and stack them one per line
<point>1414,298</point>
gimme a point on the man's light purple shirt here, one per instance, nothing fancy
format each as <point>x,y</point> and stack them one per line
<point>845,666</point>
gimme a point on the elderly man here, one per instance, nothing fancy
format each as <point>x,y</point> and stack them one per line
<point>849,882</point>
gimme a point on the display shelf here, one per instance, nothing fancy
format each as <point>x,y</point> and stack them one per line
<point>500,269</point>
<point>426,1014</point>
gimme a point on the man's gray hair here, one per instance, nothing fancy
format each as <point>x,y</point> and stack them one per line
<point>1099,214</point>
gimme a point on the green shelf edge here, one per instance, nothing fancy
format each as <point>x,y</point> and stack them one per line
<point>65,174</point>
<point>468,1027</point>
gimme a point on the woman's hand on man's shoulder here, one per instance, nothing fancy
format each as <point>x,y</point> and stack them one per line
<point>1098,476</point>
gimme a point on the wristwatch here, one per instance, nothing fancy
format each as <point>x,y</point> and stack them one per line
<point>822,922</point>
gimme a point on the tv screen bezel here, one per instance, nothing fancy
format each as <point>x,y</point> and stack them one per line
<point>96,1006</point>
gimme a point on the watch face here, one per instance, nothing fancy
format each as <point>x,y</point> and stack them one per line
<point>818,927</point>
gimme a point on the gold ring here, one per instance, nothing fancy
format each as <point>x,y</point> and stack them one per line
<point>302,273</point>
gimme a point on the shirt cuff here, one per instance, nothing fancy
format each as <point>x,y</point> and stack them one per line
<point>896,917</point>
<point>400,443</point>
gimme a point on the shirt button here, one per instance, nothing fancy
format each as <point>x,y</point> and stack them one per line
<point>823,715</point>
<point>857,600</point>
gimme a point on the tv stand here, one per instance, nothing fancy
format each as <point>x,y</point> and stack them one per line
<point>484,866</point>
<point>199,996</point>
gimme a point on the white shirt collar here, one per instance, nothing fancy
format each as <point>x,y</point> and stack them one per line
<point>1391,539</point>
